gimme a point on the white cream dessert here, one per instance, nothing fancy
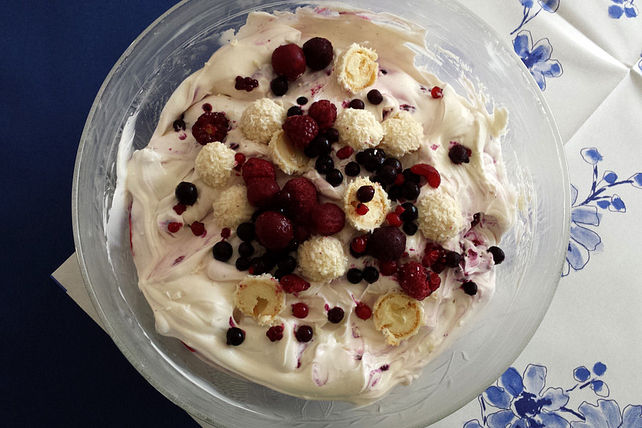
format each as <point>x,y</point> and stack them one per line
<point>315,213</point>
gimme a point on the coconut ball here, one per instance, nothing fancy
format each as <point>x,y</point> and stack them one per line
<point>322,259</point>
<point>214,164</point>
<point>261,120</point>
<point>401,134</point>
<point>232,208</point>
<point>440,217</point>
<point>358,128</point>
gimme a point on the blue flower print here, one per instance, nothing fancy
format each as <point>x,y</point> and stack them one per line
<point>620,8</point>
<point>537,57</point>
<point>606,414</point>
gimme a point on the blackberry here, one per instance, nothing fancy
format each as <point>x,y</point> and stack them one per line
<point>458,154</point>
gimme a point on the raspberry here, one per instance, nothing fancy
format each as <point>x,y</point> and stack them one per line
<point>328,219</point>
<point>303,199</point>
<point>359,244</point>
<point>210,127</point>
<point>363,311</point>
<point>293,283</point>
<point>433,256</point>
<point>388,268</point>
<point>261,191</point>
<point>413,279</point>
<point>394,220</point>
<point>179,208</point>
<point>258,168</point>
<point>174,227</point>
<point>458,154</point>
<point>437,92</point>
<point>428,171</point>
<point>275,333</point>
<point>387,243</point>
<point>324,112</point>
<point>300,129</point>
<point>198,228</point>
<point>318,53</point>
<point>300,310</point>
<point>245,83</point>
<point>239,158</point>
<point>273,230</point>
<point>345,152</point>
<point>434,281</point>
<point>289,61</point>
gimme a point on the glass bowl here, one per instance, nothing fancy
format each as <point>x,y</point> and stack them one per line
<point>123,118</point>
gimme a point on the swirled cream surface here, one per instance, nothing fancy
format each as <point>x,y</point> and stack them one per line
<point>192,295</point>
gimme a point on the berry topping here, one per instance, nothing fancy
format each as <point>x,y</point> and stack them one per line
<point>324,112</point>
<point>261,191</point>
<point>498,254</point>
<point>362,209</point>
<point>328,219</point>
<point>469,287</point>
<point>458,154</point>
<point>436,92</point>
<point>210,127</point>
<point>245,83</point>
<point>304,333</point>
<point>245,231</point>
<point>294,111</point>
<point>365,193</point>
<point>409,213</point>
<point>387,243</point>
<point>289,61</point>
<point>375,97</point>
<point>174,227</point>
<point>352,169</point>
<point>357,104</point>
<point>245,249</point>
<point>354,275</point>
<point>198,228</point>
<point>300,130</point>
<point>242,264</point>
<point>413,279</point>
<point>273,230</point>
<point>222,251</point>
<point>293,283</point>
<point>235,336</point>
<point>300,310</point>
<point>318,53</point>
<point>334,177</point>
<point>345,153</point>
<point>335,315</point>
<point>393,219</point>
<point>410,190</point>
<point>303,198</point>
<point>186,193</point>
<point>324,164</point>
<point>363,311</point>
<point>258,168</point>
<point>388,268</point>
<point>275,333</point>
<point>370,274</point>
<point>302,101</point>
<point>428,171</point>
<point>279,86</point>
<point>410,228</point>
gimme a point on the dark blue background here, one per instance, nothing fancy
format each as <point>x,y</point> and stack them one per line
<point>57,367</point>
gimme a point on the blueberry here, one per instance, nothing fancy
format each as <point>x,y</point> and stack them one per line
<point>395,163</point>
<point>452,259</point>
<point>361,157</point>
<point>335,315</point>
<point>324,164</point>
<point>370,274</point>
<point>331,134</point>
<point>257,266</point>
<point>410,228</point>
<point>498,254</point>
<point>270,260</point>
<point>242,264</point>
<point>334,177</point>
<point>222,251</point>
<point>304,333</point>
<point>469,288</point>
<point>373,160</point>
<point>387,174</point>
<point>186,193</point>
<point>245,231</point>
<point>302,101</point>
<point>321,144</point>
<point>394,193</point>
<point>438,267</point>
<point>410,212</point>
<point>411,176</point>
<point>311,151</point>
<point>410,190</point>
<point>256,214</point>
<point>458,154</point>
<point>293,245</point>
<point>375,97</point>
<point>354,275</point>
<point>352,169</point>
<point>235,336</point>
<point>288,264</point>
<point>357,104</point>
<point>280,273</point>
<point>279,85</point>
<point>246,249</point>
<point>295,111</point>
<point>365,193</point>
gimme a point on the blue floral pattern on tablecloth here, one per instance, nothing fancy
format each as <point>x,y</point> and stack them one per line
<point>587,214</point>
<point>622,8</point>
<point>523,401</point>
<point>536,56</point>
